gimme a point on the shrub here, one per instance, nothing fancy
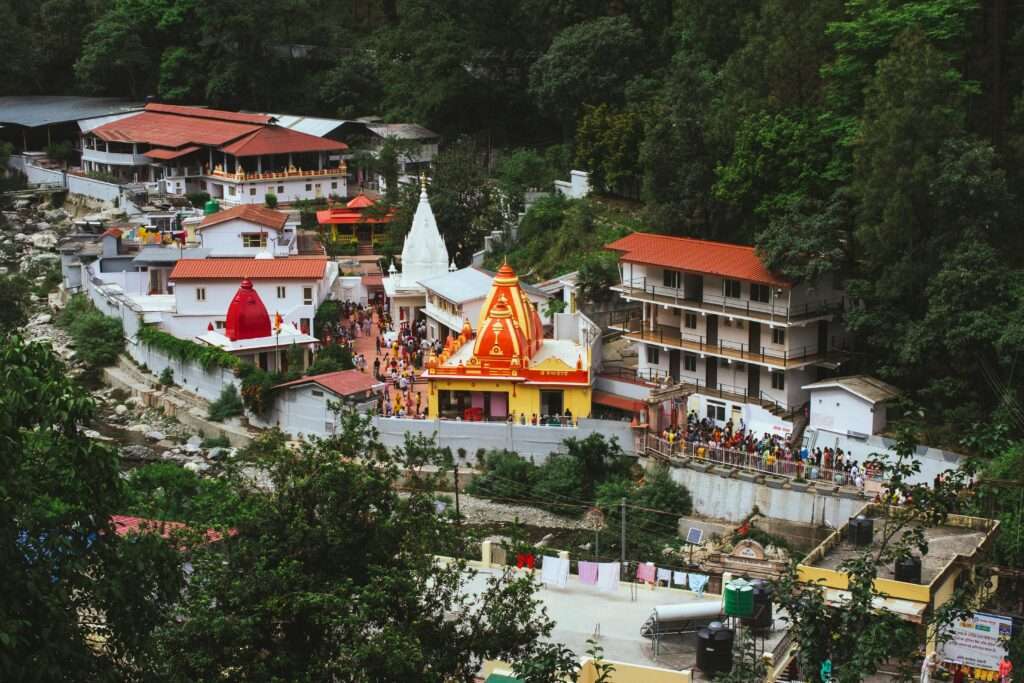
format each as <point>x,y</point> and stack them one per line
<point>505,475</point>
<point>228,404</point>
<point>331,358</point>
<point>98,339</point>
<point>220,441</point>
<point>258,388</point>
<point>270,199</point>
<point>167,377</point>
<point>198,199</point>
<point>559,480</point>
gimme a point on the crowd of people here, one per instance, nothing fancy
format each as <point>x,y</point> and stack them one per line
<point>773,452</point>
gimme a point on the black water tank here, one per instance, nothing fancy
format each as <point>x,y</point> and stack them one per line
<point>860,531</point>
<point>714,649</point>
<point>908,569</point>
<point>762,618</point>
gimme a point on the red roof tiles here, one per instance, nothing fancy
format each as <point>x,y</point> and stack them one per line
<point>172,130</point>
<point>253,269</point>
<point>204,113</point>
<point>697,256</point>
<point>165,154</point>
<point>274,140</point>
<point>260,215</point>
<point>341,383</point>
<point>125,524</point>
<point>360,202</point>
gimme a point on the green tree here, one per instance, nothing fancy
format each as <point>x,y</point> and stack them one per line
<point>608,145</point>
<point>331,553</point>
<point>63,562</point>
<point>14,291</point>
<point>464,200</point>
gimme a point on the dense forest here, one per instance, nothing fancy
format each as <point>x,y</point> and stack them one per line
<point>880,141</point>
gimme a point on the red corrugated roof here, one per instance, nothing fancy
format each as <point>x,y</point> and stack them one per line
<point>341,383</point>
<point>172,130</point>
<point>275,140</point>
<point>204,113</point>
<point>260,215</point>
<point>621,402</point>
<point>125,524</point>
<point>345,216</point>
<point>253,269</point>
<point>165,154</point>
<point>360,202</point>
<point>697,256</point>
<point>373,280</point>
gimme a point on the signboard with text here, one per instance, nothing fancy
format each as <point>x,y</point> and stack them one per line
<point>979,640</point>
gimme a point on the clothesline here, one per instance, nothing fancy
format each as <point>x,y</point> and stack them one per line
<point>555,571</point>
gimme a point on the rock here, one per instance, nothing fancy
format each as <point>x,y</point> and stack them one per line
<point>22,204</point>
<point>542,543</point>
<point>136,452</point>
<point>44,240</point>
<point>120,409</point>
<point>193,448</point>
<point>91,434</point>
<point>194,440</point>
<point>197,466</point>
<point>21,237</point>
<point>155,436</point>
<point>141,428</point>
<point>41,319</point>
<point>43,226</point>
<point>217,453</point>
<point>132,401</point>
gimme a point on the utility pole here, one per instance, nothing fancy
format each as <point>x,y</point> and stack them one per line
<point>458,514</point>
<point>622,542</point>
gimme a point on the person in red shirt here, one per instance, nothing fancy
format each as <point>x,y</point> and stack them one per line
<point>1005,670</point>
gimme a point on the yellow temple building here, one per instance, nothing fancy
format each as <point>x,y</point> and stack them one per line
<point>509,368</point>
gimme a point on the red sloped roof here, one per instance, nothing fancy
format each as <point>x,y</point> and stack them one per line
<point>342,383</point>
<point>172,130</point>
<point>360,202</point>
<point>204,113</point>
<point>165,154</point>
<point>275,140</point>
<point>260,215</point>
<point>345,216</point>
<point>126,524</point>
<point>630,405</point>
<point>253,269</point>
<point>697,256</point>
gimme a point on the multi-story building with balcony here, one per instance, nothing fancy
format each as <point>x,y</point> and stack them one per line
<point>237,158</point>
<point>714,321</point>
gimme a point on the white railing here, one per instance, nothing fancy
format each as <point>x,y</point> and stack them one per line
<point>116,158</point>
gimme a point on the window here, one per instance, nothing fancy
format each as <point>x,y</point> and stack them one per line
<point>252,191</point>
<point>307,296</point>
<point>652,355</point>
<point>318,393</point>
<point>760,293</point>
<point>200,293</point>
<point>280,292</point>
<point>231,190</point>
<point>690,321</point>
<point>732,289</point>
<point>716,411</point>
<point>309,187</point>
<point>219,324</point>
<point>280,189</point>
<point>317,186</point>
<point>334,185</point>
<point>778,335</point>
<point>689,362</point>
<point>778,381</point>
<point>254,240</point>
<point>672,278</point>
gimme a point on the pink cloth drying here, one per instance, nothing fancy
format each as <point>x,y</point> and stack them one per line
<point>646,572</point>
<point>588,572</point>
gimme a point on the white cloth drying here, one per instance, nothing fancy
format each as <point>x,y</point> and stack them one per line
<point>698,582</point>
<point>666,576</point>
<point>555,571</point>
<point>608,577</point>
<point>679,578</point>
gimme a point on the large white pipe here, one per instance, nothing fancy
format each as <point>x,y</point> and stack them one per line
<point>688,611</point>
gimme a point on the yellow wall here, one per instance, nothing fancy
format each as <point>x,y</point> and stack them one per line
<point>525,401</point>
<point>624,673</point>
<point>840,581</point>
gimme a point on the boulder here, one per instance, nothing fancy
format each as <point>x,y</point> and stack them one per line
<point>197,466</point>
<point>44,240</point>
<point>155,435</point>
<point>194,440</point>
<point>120,409</point>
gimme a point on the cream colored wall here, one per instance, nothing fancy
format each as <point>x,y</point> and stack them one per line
<point>624,673</point>
<point>526,399</point>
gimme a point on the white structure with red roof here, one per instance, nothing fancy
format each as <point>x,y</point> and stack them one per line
<point>250,333</point>
<point>247,230</point>
<point>424,255</point>
<point>718,324</point>
<point>203,288</point>
<point>303,406</point>
<point>237,158</point>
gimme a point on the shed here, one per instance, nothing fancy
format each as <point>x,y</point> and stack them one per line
<point>303,405</point>
<point>853,405</point>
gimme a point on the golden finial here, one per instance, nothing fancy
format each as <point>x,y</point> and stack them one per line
<point>423,181</point>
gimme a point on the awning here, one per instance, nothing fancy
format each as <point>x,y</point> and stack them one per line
<point>621,402</point>
<point>167,154</point>
<point>904,609</point>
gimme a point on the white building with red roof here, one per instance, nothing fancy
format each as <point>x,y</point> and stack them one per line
<point>247,230</point>
<point>304,406</point>
<point>714,323</point>
<point>237,158</point>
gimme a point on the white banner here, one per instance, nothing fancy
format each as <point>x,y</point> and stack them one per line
<point>978,641</point>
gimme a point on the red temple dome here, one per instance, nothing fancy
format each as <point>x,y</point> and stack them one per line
<point>247,316</point>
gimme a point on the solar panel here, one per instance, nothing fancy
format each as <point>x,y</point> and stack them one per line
<point>694,535</point>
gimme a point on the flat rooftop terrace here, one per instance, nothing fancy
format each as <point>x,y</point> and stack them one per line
<point>614,619</point>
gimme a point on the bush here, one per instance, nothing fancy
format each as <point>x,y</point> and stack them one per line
<point>258,388</point>
<point>505,475</point>
<point>270,199</point>
<point>14,291</point>
<point>228,404</point>
<point>167,377</point>
<point>98,339</point>
<point>220,441</point>
<point>331,358</point>
<point>198,199</point>
<point>559,481</point>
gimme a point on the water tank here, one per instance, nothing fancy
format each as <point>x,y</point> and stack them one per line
<point>763,617</point>
<point>860,531</point>
<point>908,569</point>
<point>714,649</point>
<point>211,207</point>
<point>738,599</point>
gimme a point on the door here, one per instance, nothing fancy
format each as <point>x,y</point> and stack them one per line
<point>712,336</point>
<point>711,372</point>
<point>754,338</point>
<point>673,364</point>
<point>753,380</point>
<point>693,287</point>
<point>822,336</point>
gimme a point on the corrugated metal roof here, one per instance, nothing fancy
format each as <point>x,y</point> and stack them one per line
<point>251,268</point>
<point>405,131</point>
<point>309,125</point>
<point>460,286</point>
<point>167,255</point>
<point>41,110</point>
<point>86,125</point>
<point>172,130</point>
<point>340,383</point>
<point>868,388</point>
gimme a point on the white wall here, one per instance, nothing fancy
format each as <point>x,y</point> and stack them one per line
<point>187,374</point>
<point>225,239</point>
<point>839,411</point>
<point>253,192</point>
<point>349,288</point>
<point>300,411</point>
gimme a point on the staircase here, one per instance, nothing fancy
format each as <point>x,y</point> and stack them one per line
<point>799,425</point>
<point>364,249</point>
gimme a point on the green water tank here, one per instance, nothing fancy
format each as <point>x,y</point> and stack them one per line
<point>738,599</point>
<point>211,207</point>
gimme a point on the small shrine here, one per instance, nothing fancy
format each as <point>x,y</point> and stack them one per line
<point>362,221</point>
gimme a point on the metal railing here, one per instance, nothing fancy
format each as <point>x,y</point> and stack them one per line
<point>770,310</point>
<point>273,175</point>
<point>664,383</point>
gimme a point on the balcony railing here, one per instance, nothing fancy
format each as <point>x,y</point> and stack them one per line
<point>273,175</point>
<point>772,311</point>
<point>664,387</point>
<point>733,350</point>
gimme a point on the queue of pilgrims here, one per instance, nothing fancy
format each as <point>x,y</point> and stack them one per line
<point>774,452</point>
